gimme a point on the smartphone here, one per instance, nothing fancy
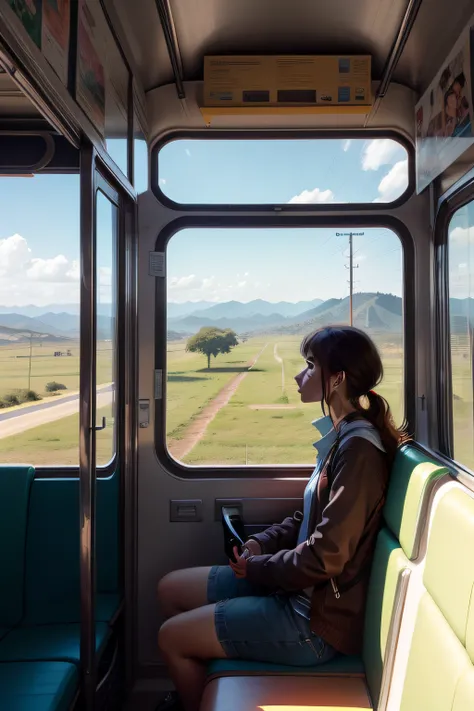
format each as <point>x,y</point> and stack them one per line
<point>234,532</point>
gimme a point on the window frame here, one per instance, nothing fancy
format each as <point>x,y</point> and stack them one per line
<point>257,135</point>
<point>108,183</point>
<point>460,195</point>
<point>275,471</point>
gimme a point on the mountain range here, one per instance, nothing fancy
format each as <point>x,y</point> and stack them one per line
<point>380,312</point>
<point>374,311</point>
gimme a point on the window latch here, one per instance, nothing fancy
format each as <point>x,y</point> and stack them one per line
<point>97,428</point>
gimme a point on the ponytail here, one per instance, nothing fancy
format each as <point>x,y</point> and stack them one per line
<point>380,416</point>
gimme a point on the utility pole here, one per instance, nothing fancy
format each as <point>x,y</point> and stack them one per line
<point>29,365</point>
<point>351,268</point>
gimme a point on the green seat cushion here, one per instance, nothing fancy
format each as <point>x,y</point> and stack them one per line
<point>449,567</point>
<point>412,479</point>
<point>464,697</point>
<point>437,663</point>
<point>15,484</point>
<point>388,563</point>
<point>48,643</point>
<point>69,610</point>
<point>37,686</point>
<point>235,667</point>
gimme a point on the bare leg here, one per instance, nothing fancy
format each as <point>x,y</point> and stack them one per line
<point>187,641</point>
<point>183,590</point>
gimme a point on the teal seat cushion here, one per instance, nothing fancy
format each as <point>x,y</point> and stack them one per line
<point>69,610</point>
<point>48,643</point>
<point>235,667</point>
<point>37,686</point>
<point>4,631</point>
<point>15,484</point>
<point>52,578</point>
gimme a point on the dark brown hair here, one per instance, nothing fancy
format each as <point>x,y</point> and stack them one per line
<point>346,349</point>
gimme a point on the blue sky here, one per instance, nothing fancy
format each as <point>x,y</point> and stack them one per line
<point>39,233</point>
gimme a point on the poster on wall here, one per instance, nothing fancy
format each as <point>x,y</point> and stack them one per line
<point>29,12</point>
<point>55,35</point>
<point>48,23</point>
<point>444,116</point>
<point>90,75</point>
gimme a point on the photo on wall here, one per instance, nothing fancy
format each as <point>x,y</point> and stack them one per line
<point>444,115</point>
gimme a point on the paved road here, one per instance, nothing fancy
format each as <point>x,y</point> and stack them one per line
<point>43,412</point>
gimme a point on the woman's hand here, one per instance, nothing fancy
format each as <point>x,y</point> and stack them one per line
<point>240,566</point>
<point>253,546</point>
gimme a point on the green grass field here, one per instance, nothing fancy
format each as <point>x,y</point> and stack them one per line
<point>280,432</point>
<point>54,443</point>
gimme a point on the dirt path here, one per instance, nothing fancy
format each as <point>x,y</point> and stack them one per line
<point>280,360</point>
<point>195,432</point>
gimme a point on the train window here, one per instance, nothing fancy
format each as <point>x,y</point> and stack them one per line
<point>39,320</point>
<point>106,234</point>
<point>283,171</point>
<point>239,303</point>
<point>461,312</point>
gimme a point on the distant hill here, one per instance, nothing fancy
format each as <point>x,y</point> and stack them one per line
<point>26,323</point>
<point>14,336</point>
<point>382,312</point>
<point>258,307</point>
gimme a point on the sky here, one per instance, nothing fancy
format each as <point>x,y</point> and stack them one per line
<point>39,231</point>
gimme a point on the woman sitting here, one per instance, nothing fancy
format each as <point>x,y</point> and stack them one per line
<point>296,593</point>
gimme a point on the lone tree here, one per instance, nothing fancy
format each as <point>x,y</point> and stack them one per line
<point>212,341</point>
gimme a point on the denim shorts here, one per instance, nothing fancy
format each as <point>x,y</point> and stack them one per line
<point>253,625</point>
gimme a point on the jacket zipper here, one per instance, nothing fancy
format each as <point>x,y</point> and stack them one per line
<point>337,594</point>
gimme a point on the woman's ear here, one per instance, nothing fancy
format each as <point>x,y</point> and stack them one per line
<point>340,378</point>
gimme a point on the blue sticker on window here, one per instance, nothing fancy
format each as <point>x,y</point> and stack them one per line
<point>344,93</point>
<point>344,66</point>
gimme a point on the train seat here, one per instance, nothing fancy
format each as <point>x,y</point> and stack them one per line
<point>440,660</point>
<point>413,480</point>
<point>39,595</point>
<point>15,486</point>
<point>38,686</point>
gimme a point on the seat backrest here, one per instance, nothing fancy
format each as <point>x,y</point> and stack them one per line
<point>15,484</point>
<point>52,562</point>
<point>440,667</point>
<point>412,481</point>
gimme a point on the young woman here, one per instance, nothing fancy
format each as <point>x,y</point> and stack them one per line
<point>296,594</point>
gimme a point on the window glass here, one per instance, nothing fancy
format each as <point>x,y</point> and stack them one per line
<point>140,158</point>
<point>461,308</point>
<point>106,328</point>
<point>39,320</point>
<point>269,287</point>
<point>296,172</point>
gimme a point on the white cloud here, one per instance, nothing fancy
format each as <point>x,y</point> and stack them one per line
<point>241,284</point>
<point>394,183</point>
<point>346,146</point>
<point>246,274</point>
<point>381,151</point>
<point>14,255</point>
<point>56,270</point>
<point>162,181</point>
<point>188,152</point>
<point>315,196</point>
<point>26,279</point>
<point>462,235</point>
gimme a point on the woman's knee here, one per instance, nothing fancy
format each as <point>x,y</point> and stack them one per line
<point>168,594</point>
<point>183,590</point>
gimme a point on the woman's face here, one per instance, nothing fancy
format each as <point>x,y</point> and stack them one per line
<point>309,382</point>
<point>451,105</point>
